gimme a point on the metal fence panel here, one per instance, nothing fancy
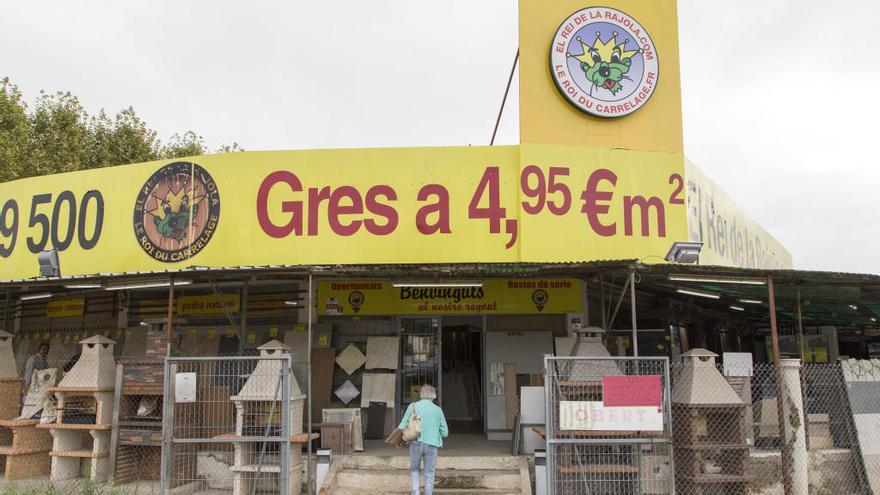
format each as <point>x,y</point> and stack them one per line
<point>596,450</point>
<point>722,447</point>
<point>228,425</point>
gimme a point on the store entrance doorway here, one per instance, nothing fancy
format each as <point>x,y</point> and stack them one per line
<point>420,346</point>
<point>462,344</point>
<point>446,352</point>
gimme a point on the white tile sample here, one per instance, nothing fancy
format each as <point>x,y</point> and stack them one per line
<point>350,359</point>
<point>378,387</point>
<point>383,352</point>
<point>347,392</point>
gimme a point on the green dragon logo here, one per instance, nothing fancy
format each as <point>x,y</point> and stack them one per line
<point>605,63</point>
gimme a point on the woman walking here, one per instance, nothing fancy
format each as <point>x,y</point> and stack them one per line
<point>434,430</point>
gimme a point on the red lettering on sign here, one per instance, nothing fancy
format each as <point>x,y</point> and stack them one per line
<point>336,209</point>
<point>591,197</point>
<point>371,211</point>
<point>292,207</point>
<point>382,210</point>
<point>440,207</point>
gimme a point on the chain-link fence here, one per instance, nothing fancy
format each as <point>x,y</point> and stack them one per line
<point>756,430</point>
<point>594,447</point>
<point>733,436</point>
<point>233,424</point>
<point>90,422</point>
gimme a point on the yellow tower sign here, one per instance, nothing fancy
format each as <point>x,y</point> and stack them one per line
<point>600,76</point>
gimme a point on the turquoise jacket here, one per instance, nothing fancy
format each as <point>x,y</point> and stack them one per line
<point>434,427</point>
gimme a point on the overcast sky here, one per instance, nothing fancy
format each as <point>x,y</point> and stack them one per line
<point>780,96</point>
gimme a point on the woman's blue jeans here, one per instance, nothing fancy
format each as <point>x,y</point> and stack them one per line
<point>418,450</point>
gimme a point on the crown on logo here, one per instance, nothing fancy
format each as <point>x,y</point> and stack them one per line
<point>182,198</point>
<point>604,50</point>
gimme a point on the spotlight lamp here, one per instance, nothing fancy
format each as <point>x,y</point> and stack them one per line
<point>684,252</point>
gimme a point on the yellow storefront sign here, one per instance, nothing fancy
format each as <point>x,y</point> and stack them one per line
<point>599,174</point>
<point>64,308</point>
<point>509,296</point>
<point>729,236</point>
<point>417,205</point>
<point>208,305</point>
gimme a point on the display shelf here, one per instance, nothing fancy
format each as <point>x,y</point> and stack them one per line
<point>74,426</point>
<point>718,478</point>
<point>24,450</point>
<point>136,453</point>
<point>599,469</point>
<point>79,453</point>
<point>82,428</point>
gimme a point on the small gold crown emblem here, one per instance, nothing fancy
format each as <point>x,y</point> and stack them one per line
<point>604,50</point>
<point>176,201</point>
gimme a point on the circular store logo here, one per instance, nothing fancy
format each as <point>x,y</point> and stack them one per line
<point>176,212</point>
<point>604,62</point>
<point>540,298</point>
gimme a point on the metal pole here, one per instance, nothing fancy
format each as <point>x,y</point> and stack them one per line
<point>632,297</point>
<point>602,302</point>
<point>243,307</point>
<point>167,428</point>
<point>774,335</point>
<point>310,303</point>
<point>170,321</point>
<point>286,376</point>
<point>504,99</point>
<point>800,324</point>
<point>549,423</point>
<point>6,310</point>
<point>585,321</point>
<point>773,329</point>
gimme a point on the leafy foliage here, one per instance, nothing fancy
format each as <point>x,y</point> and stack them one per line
<point>58,135</point>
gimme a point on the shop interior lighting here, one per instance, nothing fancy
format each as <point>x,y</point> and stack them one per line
<point>31,297</point>
<point>698,293</point>
<point>147,285</point>
<point>677,277</point>
<point>737,308</point>
<point>438,284</point>
<point>750,301</point>
<point>83,286</point>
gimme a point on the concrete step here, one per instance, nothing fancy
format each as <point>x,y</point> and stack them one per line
<point>453,479</point>
<point>443,462</point>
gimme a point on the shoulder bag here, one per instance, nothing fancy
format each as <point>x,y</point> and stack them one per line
<point>413,426</point>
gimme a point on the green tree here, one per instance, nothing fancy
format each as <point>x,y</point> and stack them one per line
<point>123,139</point>
<point>14,131</point>
<point>187,144</point>
<point>58,135</point>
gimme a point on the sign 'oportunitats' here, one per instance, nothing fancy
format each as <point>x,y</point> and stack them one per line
<point>604,62</point>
